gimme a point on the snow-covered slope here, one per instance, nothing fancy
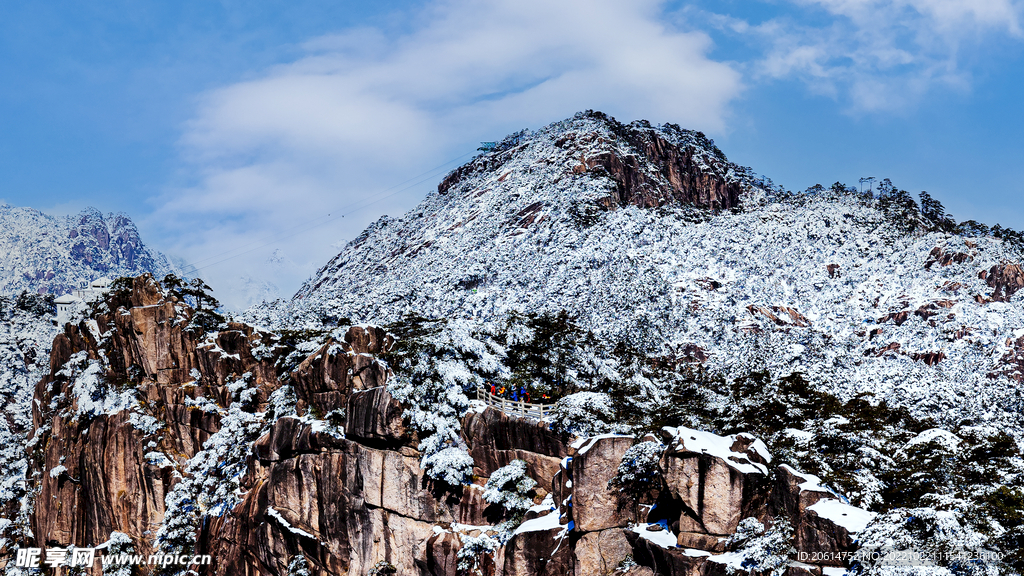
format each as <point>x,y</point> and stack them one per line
<point>27,330</point>
<point>823,283</point>
<point>47,254</point>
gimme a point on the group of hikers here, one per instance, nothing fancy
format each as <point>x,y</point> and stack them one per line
<point>516,395</point>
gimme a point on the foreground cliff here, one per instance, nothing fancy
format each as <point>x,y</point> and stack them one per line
<point>269,457</point>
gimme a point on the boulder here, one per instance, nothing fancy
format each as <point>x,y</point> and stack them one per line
<point>1006,279</point>
<point>600,553</point>
<point>495,439</point>
<point>797,496</point>
<point>596,507</point>
<point>544,552</point>
<point>700,541</point>
<point>374,417</point>
<point>718,480</point>
<point>324,380</point>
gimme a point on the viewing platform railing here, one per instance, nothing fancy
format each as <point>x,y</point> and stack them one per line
<point>524,409</point>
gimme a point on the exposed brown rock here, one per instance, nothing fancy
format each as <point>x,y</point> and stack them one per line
<point>780,315</point>
<point>929,358</point>
<point>715,495</point>
<point>373,416</point>
<point>595,507</point>
<point>681,181</point>
<point>442,554</point>
<point>671,562</point>
<point>647,170</point>
<point>496,439</point>
<point>700,541</point>
<point>943,258</point>
<point>792,500</point>
<point>345,502</point>
<point>107,486</point>
<point>890,347</point>
<point>360,505</point>
<point>898,317</point>
<point>951,286</point>
<point>539,552</point>
<point>600,553</point>
<point>325,379</point>
<point>1006,279</point>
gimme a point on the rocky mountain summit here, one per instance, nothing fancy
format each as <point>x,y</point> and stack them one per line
<point>53,255</point>
<point>649,235</point>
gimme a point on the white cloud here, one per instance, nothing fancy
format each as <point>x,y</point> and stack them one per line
<point>362,111</point>
<point>878,55</point>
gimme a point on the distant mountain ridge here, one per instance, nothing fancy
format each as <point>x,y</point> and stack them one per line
<point>43,254</point>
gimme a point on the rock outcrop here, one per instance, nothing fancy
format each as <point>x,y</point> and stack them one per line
<point>596,506</point>
<point>718,482</point>
<point>1005,279</point>
<point>649,167</point>
<point>135,399</point>
<point>495,439</point>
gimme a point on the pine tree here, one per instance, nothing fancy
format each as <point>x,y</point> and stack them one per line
<point>935,215</point>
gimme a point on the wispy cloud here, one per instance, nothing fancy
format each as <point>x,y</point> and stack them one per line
<point>877,55</point>
<point>363,110</point>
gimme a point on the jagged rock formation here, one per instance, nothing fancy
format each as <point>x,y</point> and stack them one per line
<point>43,254</point>
<point>134,400</point>
<point>649,167</point>
<point>47,254</point>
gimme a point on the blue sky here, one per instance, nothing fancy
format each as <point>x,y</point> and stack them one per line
<point>224,126</point>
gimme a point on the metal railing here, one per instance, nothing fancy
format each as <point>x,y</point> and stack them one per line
<point>524,409</point>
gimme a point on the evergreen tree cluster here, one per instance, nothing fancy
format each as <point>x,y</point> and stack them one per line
<point>924,215</point>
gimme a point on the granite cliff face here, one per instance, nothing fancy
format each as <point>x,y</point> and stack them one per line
<point>135,402</point>
<point>647,166</point>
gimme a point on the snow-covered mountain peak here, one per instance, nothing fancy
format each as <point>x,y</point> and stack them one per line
<point>48,254</point>
<point>562,177</point>
<point>633,164</point>
<point>855,291</point>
